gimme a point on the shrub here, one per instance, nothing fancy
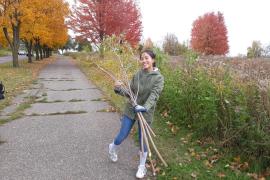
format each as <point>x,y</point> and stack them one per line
<point>215,103</point>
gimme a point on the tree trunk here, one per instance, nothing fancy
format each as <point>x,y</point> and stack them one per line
<point>36,49</point>
<point>101,47</point>
<point>40,51</point>
<point>29,50</point>
<point>47,52</point>
<point>44,51</point>
<point>14,44</point>
<point>37,54</point>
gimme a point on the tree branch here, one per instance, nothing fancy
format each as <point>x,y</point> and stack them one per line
<point>7,37</point>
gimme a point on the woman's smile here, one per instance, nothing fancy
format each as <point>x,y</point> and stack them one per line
<point>146,62</point>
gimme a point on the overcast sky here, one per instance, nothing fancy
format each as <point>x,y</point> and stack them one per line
<point>246,20</point>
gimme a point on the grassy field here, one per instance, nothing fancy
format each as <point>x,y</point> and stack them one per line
<point>4,52</point>
<point>18,79</point>
<point>188,157</point>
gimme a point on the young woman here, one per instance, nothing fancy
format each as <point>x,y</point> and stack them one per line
<point>148,83</point>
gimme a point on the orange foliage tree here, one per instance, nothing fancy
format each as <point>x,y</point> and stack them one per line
<point>42,31</point>
<point>35,22</point>
<point>10,22</point>
<point>209,35</point>
<point>94,20</point>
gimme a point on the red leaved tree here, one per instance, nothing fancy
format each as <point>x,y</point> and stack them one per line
<point>95,19</point>
<point>209,35</point>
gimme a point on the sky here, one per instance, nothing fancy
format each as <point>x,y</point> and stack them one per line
<point>246,20</point>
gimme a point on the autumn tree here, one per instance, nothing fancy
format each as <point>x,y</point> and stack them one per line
<point>93,20</point>
<point>255,50</point>
<point>3,41</point>
<point>40,30</point>
<point>10,23</point>
<point>35,22</point>
<point>209,35</point>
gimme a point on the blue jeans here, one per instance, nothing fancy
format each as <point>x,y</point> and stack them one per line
<point>126,126</point>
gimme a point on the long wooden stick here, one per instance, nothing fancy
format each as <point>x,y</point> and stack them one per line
<point>155,148</point>
<point>106,72</point>
<point>146,124</point>
<point>144,136</point>
<point>141,140</point>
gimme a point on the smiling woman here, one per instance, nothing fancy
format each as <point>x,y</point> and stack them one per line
<point>147,83</point>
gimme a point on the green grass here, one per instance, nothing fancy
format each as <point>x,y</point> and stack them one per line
<point>59,113</point>
<point>186,158</point>
<point>4,52</point>
<point>76,100</point>
<point>45,100</point>
<point>100,99</point>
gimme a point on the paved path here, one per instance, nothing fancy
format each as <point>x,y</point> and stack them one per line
<point>68,146</point>
<point>6,59</point>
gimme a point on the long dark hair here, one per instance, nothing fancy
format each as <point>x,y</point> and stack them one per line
<point>151,54</point>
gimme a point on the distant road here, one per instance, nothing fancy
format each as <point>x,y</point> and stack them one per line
<point>6,59</point>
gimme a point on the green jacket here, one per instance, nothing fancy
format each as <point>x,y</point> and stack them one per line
<point>150,87</point>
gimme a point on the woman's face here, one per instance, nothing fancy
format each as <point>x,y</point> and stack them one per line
<point>146,62</point>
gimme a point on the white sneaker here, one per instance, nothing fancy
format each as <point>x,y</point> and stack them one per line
<point>141,171</point>
<point>112,153</point>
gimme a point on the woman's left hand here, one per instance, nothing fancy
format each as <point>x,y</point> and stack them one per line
<point>139,108</point>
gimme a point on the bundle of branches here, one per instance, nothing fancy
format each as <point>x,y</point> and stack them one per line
<point>126,59</point>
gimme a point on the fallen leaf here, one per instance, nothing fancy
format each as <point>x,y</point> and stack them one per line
<point>157,169</point>
<point>193,175</point>
<point>213,159</point>
<point>237,159</point>
<point>169,123</point>
<point>252,175</point>
<point>191,150</point>
<point>198,157</point>
<point>221,175</point>
<point>244,166</point>
<point>165,114</point>
<point>174,129</point>
<point>185,142</point>
<point>207,164</point>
